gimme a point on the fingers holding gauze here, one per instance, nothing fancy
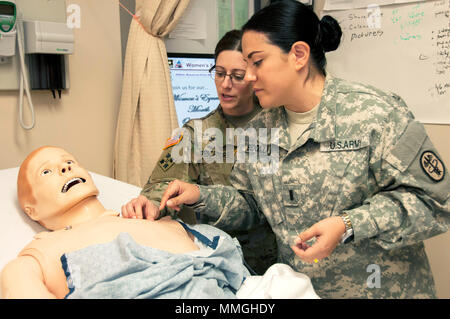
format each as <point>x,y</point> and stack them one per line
<point>300,247</point>
<point>327,233</point>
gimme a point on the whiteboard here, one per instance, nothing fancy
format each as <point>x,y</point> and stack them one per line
<point>404,49</point>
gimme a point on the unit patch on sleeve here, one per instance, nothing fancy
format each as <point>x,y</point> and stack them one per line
<point>166,162</point>
<point>174,140</point>
<point>432,166</point>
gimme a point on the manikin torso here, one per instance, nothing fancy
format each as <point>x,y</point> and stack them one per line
<point>54,190</point>
<point>47,247</point>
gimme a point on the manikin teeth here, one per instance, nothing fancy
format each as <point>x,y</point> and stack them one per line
<point>71,183</point>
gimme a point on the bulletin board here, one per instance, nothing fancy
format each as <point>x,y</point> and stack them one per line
<point>403,48</point>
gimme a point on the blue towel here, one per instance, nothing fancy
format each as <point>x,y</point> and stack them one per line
<point>124,269</point>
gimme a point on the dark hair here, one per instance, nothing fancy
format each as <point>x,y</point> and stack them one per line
<point>286,22</point>
<point>230,41</point>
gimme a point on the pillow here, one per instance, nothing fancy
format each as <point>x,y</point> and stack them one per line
<point>17,229</point>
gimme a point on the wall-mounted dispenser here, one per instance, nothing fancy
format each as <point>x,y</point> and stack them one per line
<point>46,43</point>
<point>48,37</point>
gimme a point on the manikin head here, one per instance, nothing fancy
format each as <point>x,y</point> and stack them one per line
<point>51,182</point>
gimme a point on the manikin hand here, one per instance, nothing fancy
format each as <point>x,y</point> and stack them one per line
<point>328,233</point>
<point>178,193</point>
<point>140,207</point>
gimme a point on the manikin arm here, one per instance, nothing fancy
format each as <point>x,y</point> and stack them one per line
<point>22,278</point>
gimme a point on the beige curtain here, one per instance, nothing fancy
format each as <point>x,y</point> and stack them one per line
<point>147,114</point>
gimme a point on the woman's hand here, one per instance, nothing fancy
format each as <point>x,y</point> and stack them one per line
<point>328,232</point>
<point>178,193</point>
<point>140,208</point>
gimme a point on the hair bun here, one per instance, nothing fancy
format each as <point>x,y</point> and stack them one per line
<point>331,33</point>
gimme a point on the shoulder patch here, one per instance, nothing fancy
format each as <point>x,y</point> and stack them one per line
<point>174,140</point>
<point>432,166</point>
<point>166,162</point>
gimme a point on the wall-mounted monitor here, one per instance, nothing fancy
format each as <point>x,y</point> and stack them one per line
<point>194,91</point>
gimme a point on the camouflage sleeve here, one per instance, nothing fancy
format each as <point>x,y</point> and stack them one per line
<point>233,207</point>
<point>413,203</point>
<point>165,171</point>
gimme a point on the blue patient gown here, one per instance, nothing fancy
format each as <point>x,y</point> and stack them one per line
<point>124,269</point>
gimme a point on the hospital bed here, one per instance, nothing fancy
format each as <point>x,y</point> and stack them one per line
<point>17,230</point>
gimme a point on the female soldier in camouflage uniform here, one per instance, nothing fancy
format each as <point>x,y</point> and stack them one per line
<point>356,173</point>
<point>237,106</point>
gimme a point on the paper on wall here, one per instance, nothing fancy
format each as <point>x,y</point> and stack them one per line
<point>356,4</point>
<point>192,24</point>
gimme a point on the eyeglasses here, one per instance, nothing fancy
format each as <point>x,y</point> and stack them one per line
<point>219,75</point>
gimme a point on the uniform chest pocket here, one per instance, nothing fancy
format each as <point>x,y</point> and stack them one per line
<point>217,166</point>
<point>348,172</point>
<point>266,190</point>
<point>219,172</point>
<point>347,155</point>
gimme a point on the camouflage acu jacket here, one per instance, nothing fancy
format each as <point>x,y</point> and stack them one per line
<point>259,243</point>
<point>167,169</point>
<point>365,155</point>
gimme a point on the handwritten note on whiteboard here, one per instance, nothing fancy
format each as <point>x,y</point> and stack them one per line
<point>400,48</point>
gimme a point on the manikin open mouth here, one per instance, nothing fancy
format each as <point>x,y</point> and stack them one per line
<point>72,182</point>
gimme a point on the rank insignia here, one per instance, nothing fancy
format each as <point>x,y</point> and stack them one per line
<point>432,166</point>
<point>166,162</point>
<point>174,140</point>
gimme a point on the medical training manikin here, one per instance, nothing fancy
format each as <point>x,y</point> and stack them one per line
<point>93,252</point>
